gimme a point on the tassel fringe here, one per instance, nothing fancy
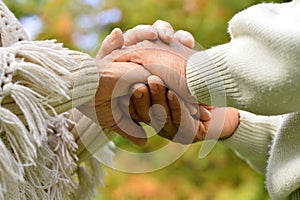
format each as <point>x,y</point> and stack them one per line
<point>32,75</point>
<point>31,105</point>
<point>38,81</point>
<point>62,143</point>
<point>90,174</point>
<point>38,152</point>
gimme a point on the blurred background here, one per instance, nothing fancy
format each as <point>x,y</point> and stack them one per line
<point>83,24</point>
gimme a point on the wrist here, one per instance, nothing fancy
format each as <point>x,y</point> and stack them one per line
<point>232,121</point>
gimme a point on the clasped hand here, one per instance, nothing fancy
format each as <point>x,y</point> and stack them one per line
<point>145,68</point>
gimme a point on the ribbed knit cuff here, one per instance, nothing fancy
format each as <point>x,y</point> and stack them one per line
<point>252,139</point>
<point>90,137</point>
<point>208,77</point>
<point>84,80</point>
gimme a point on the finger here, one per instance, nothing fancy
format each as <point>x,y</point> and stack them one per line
<point>133,114</point>
<point>167,134</point>
<point>165,31</point>
<point>202,132</point>
<point>174,108</point>
<point>142,102</point>
<point>193,109</point>
<point>158,109</point>
<point>159,61</point>
<point>126,127</point>
<point>199,111</point>
<point>205,115</point>
<point>110,116</point>
<point>140,33</point>
<point>112,42</point>
<point>188,129</point>
<point>207,107</point>
<point>187,126</point>
<point>127,107</point>
<point>185,38</point>
<point>131,131</point>
<point>161,115</point>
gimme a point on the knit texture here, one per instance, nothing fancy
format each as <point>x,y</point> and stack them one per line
<point>94,152</point>
<point>259,63</point>
<point>11,29</point>
<point>40,84</point>
<point>258,71</point>
<point>283,172</point>
<point>209,78</point>
<point>252,137</point>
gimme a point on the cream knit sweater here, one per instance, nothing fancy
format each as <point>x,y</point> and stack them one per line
<point>46,144</point>
<point>258,71</point>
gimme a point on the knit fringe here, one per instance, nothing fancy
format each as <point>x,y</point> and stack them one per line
<point>30,103</point>
<point>18,139</point>
<point>32,75</point>
<point>40,177</point>
<point>62,143</point>
<point>52,176</point>
<point>44,66</point>
<point>90,175</point>
<point>91,171</point>
<point>38,152</point>
<point>9,169</point>
<point>17,150</point>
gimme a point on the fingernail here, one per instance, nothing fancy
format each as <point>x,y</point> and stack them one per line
<point>116,31</point>
<point>169,33</point>
<point>154,89</point>
<point>193,110</point>
<point>189,37</point>
<point>152,30</point>
<point>206,113</point>
<point>138,95</point>
<point>170,96</point>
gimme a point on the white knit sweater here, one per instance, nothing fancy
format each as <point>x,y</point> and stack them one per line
<point>45,143</point>
<point>258,71</point>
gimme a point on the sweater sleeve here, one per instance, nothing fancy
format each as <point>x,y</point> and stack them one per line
<point>253,138</point>
<point>40,81</point>
<point>94,152</point>
<point>257,70</point>
<point>283,171</point>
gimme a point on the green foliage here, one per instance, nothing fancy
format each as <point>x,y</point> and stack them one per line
<point>221,175</point>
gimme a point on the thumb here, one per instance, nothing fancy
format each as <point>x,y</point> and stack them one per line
<point>139,34</point>
<point>126,127</point>
<point>113,41</point>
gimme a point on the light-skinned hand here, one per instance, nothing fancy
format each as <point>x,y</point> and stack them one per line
<point>114,82</point>
<point>178,118</point>
<point>108,111</point>
<point>167,61</point>
<point>193,126</point>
